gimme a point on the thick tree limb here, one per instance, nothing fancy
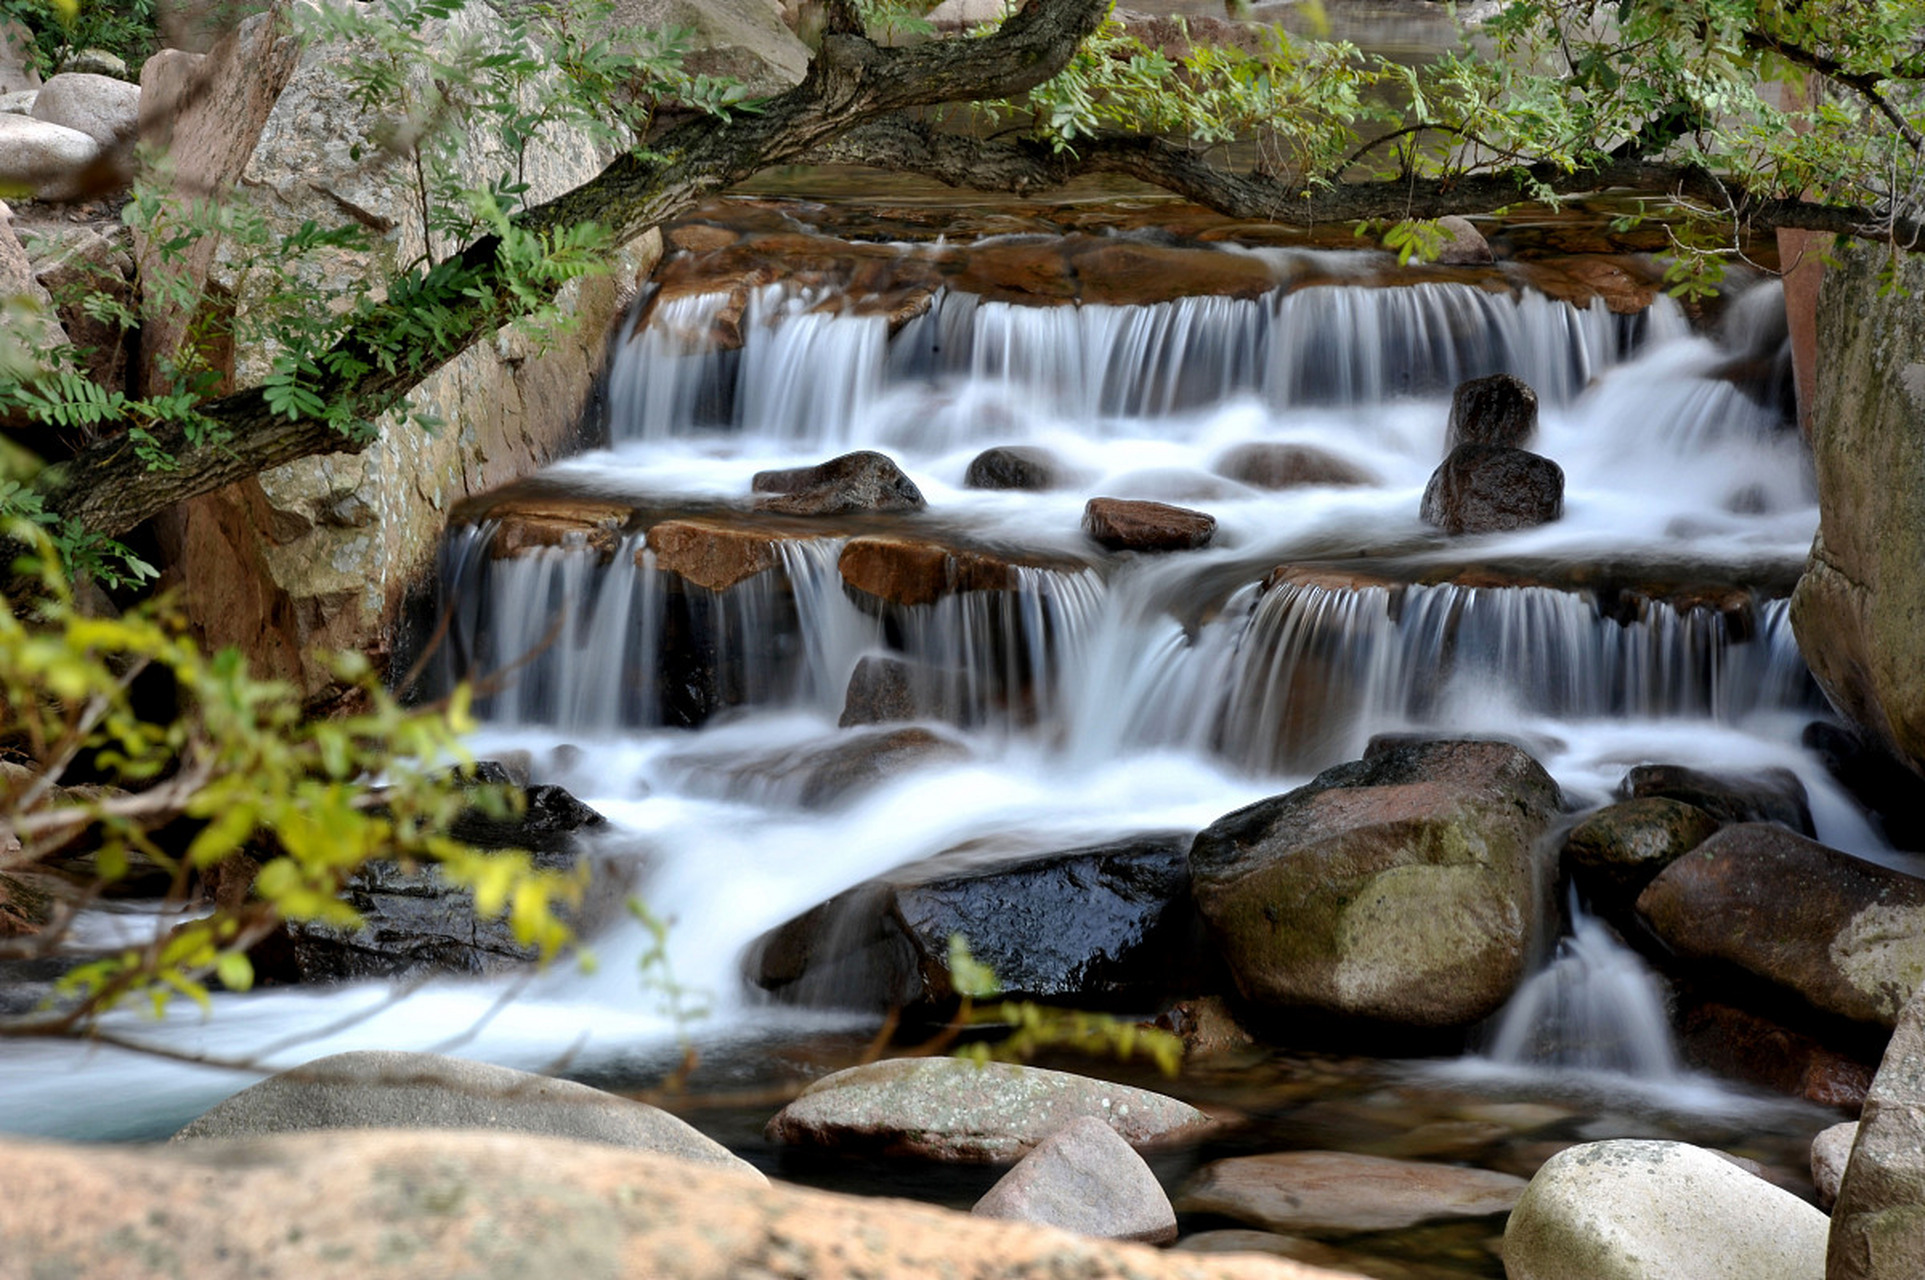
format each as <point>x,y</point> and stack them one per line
<point>1027,168</point>
<point>1866,86</point>
<point>109,488</point>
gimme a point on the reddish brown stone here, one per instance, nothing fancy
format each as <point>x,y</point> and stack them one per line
<point>711,554</point>
<point>1745,1046</point>
<point>1125,525</point>
<point>528,524</point>
<point>1023,268</point>
<point>701,237</point>
<point>1129,273</point>
<point>908,572</point>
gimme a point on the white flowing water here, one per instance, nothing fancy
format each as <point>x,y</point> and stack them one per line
<point>1130,695</point>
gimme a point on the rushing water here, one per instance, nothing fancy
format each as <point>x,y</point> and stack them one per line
<point>1098,696</point>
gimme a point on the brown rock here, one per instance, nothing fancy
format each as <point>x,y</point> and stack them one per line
<point>1124,525</point>
<point>1338,1192</point>
<point>1742,1045</point>
<point>79,265</point>
<point>1847,935</point>
<point>1768,795</point>
<point>1029,269</point>
<point>26,905</point>
<point>394,1206</point>
<point>1616,851</point>
<point>1626,286</point>
<point>1267,465</point>
<point>529,524</point>
<point>1130,273</point>
<point>1484,488</point>
<point>710,553</point>
<point>903,571</point>
<point>700,237</point>
<point>884,689</point>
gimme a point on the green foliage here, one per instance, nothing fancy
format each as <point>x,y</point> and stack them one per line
<point>1028,1028</point>
<point>259,781</point>
<point>62,28</point>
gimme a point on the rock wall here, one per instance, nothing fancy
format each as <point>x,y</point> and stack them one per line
<point>324,553</point>
<point>1859,610</point>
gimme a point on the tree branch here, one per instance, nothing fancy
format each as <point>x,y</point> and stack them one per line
<point>1866,86</point>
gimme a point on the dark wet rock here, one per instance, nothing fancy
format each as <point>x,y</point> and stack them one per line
<point>1830,1153</point>
<point>1768,795</point>
<point>1886,788</point>
<point>821,774</point>
<point>1084,1178</point>
<point>414,922</point>
<point>711,553</point>
<point>1405,888</point>
<point>1483,488</point>
<point>1268,465</point>
<point>1338,1192</point>
<point>885,690</point>
<point>1106,925</point>
<point>531,524</point>
<point>860,481</point>
<point>384,1089</point>
<point>908,571</point>
<point>1498,410</point>
<point>1124,525</point>
<point>1878,1224</point>
<point>1015,467</point>
<point>1633,1210</point>
<point>975,1113</point>
<point>1619,849</point>
<point>1847,935</point>
<point>1741,1045</point>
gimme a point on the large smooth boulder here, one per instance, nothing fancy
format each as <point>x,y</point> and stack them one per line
<point>951,1109</point>
<point>1846,935</point>
<point>860,481</point>
<point>1086,1179</point>
<point>1404,888</point>
<point>1632,1210</point>
<point>386,1089</point>
<point>1101,925</point>
<point>389,1205</point>
<point>1878,1224</point>
<point>1857,608</point>
<point>1498,410</point>
<point>325,553</point>
<point>48,161</point>
<point>1266,464</point>
<point>1766,795</point>
<point>1489,488</point>
<point>1123,524</point>
<point>1338,1192</point>
<point>105,109</point>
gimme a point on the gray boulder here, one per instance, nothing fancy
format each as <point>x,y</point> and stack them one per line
<point>1499,410</point>
<point>19,102</point>
<point>105,109</point>
<point>1766,795</point>
<point>860,481</point>
<point>1488,488</point>
<point>950,1109</point>
<point>1631,1210</point>
<point>1403,888</point>
<point>17,71</point>
<point>1878,1224</point>
<point>742,40</point>
<point>50,161</point>
<point>1846,935</point>
<point>1086,1179</point>
<point>1830,1153</point>
<point>1464,244</point>
<point>381,1089</point>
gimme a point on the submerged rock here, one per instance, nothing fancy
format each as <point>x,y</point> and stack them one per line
<point>1103,925</point>
<point>1265,464</point>
<point>1630,1210</point>
<point>1498,410</point>
<point>1338,1192</point>
<point>1830,1153</point>
<point>950,1109</point>
<point>385,1089</point>
<point>1767,795</point>
<point>1015,467</point>
<point>1846,935</point>
<point>1878,1224</point>
<point>1086,1179</point>
<point>1487,488</point>
<point>860,481</point>
<point>824,773</point>
<point>1125,525</point>
<point>1405,888</point>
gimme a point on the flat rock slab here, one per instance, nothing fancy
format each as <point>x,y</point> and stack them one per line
<point>397,1206</point>
<point>1124,524</point>
<point>1084,1178</point>
<point>1629,1210</point>
<point>949,1109</point>
<point>391,1090</point>
<point>1337,1192</point>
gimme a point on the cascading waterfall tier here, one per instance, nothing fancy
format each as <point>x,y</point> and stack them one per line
<point>809,375</point>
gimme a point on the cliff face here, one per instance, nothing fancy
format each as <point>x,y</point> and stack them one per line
<point>1859,609</point>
